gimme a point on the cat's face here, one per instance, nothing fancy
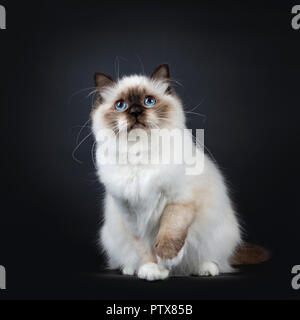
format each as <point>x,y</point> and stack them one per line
<point>137,102</point>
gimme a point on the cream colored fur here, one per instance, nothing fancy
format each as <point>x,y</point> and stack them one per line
<point>136,196</point>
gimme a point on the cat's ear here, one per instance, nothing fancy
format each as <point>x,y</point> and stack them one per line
<point>162,72</point>
<point>102,80</point>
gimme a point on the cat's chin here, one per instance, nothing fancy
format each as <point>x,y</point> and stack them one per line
<point>137,125</point>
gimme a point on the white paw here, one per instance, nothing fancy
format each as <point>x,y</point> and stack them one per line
<point>209,269</point>
<point>128,271</point>
<point>152,271</point>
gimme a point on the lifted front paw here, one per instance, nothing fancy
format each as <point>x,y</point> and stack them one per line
<point>167,248</point>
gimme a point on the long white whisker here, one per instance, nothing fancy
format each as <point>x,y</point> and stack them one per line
<point>80,131</point>
<point>92,92</point>
<point>117,67</point>
<point>93,154</point>
<point>198,105</point>
<point>198,114</point>
<point>141,63</point>
<point>77,147</point>
<point>79,91</point>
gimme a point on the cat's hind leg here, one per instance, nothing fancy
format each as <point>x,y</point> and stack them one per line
<point>117,242</point>
<point>119,250</point>
<point>208,268</point>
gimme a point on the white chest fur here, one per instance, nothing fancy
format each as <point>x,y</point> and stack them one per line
<point>138,192</point>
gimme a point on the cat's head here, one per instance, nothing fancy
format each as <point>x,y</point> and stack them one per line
<point>137,102</point>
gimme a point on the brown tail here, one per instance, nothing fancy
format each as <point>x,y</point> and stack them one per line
<point>248,253</point>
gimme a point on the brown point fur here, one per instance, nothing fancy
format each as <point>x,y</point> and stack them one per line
<point>168,245</point>
<point>248,253</point>
<point>162,72</point>
<point>135,95</point>
<point>175,222</point>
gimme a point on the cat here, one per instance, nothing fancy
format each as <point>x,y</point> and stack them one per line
<point>159,221</point>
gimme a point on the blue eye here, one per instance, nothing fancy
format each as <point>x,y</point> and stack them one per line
<point>149,101</point>
<point>120,105</point>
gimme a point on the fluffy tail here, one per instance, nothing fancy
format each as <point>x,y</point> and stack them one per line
<point>248,253</point>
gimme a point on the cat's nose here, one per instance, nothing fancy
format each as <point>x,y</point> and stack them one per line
<point>136,110</point>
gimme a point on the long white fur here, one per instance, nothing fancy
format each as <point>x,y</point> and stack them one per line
<point>137,194</point>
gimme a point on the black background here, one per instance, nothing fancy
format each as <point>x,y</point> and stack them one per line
<point>238,62</point>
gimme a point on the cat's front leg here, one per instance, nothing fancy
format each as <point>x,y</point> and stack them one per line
<point>152,271</point>
<point>149,269</point>
<point>175,222</point>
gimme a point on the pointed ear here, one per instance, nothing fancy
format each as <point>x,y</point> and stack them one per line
<point>102,80</point>
<point>162,72</point>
